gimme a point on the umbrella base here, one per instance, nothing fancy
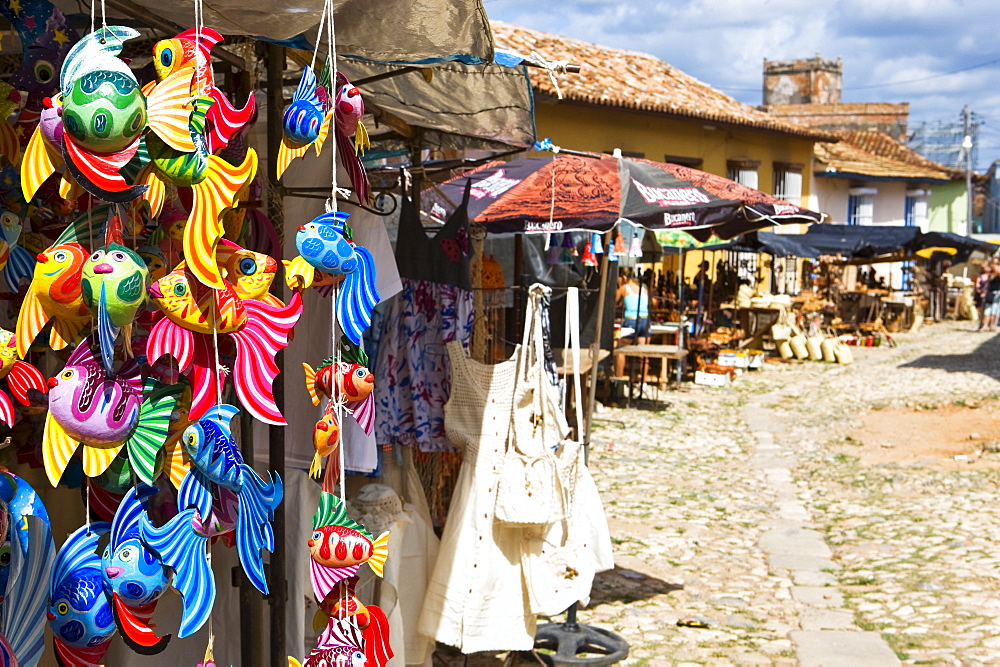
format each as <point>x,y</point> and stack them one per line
<point>576,644</point>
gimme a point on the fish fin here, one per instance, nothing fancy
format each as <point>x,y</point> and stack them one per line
<point>288,151</point>
<point>325,578</point>
<point>362,141</point>
<point>183,550</point>
<point>363,412</point>
<point>156,190</point>
<point>195,491</point>
<point>206,379</point>
<point>258,500</point>
<point>97,459</point>
<point>380,551</point>
<point>10,146</point>
<point>299,274</point>
<point>354,166</point>
<point>263,336</point>
<point>168,109</point>
<point>31,319</point>
<point>57,449</point>
<point>22,377</point>
<point>324,132</point>
<point>316,466</point>
<point>166,338</point>
<point>212,196</point>
<point>358,297</point>
<point>98,172</point>
<point>70,656</point>
<point>134,627</point>
<point>65,332</point>
<point>311,383</point>
<point>69,189</point>
<point>6,409</point>
<point>23,610</point>
<point>225,119</point>
<point>205,38</point>
<point>307,88</point>
<point>40,162</point>
<point>20,265</point>
<point>177,463</point>
<point>107,332</point>
<point>320,619</point>
<point>151,430</point>
<point>378,650</point>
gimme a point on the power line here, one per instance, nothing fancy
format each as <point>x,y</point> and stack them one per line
<point>925,78</point>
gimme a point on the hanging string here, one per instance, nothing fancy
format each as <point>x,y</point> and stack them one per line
<point>332,46</point>
<point>86,501</point>
<point>217,371</point>
<point>319,36</point>
<point>93,11</point>
<point>104,18</point>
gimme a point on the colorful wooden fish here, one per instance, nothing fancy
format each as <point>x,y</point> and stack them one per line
<point>344,643</point>
<point>105,413</point>
<point>10,145</point>
<point>156,263</point>
<point>81,618</point>
<point>306,121</point>
<point>26,559</point>
<point>21,377</point>
<point>102,114</point>
<point>326,441</point>
<point>134,577</point>
<point>193,312</point>
<point>20,263</point>
<point>349,109</point>
<point>339,546</point>
<point>191,46</point>
<point>215,185</point>
<point>54,294</point>
<point>115,279</point>
<point>181,544</point>
<point>326,244</point>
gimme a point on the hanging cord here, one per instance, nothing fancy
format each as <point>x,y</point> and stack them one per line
<point>332,46</point>
<point>218,363</point>
<point>552,200</point>
<point>551,67</point>
<point>319,36</point>
<point>104,18</point>
<point>86,498</point>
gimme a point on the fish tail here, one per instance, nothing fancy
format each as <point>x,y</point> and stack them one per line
<point>57,449</point>
<point>288,151</point>
<point>168,113</point>
<point>31,319</point>
<point>22,377</point>
<point>199,115</point>
<point>353,165</point>
<point>156,190</point>
<point>10,147</point>
<point>151,429</point>
<point>358,297</point>
<point>362,141</point>
<point>23,611</point>
<point>177,466</point>
<point>97,459</point>
<point>107,332</point>
<point>69,189</point>
<point>65,332</point>
<point>316,466</point>
<point>324,132</point>
<point>380,551</point>
<point>258,500</point>
<point>311,383</point>
<point>20,266</point>
<point>183,550</point>
<point>40,162</point>
<point>6,411</point>
<point>226,120</point>
<point>195,492</point>
<point>136,630</point>
<point>213,195</point>
<point>79,657</point>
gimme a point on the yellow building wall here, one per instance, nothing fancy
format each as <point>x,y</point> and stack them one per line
<point>595,129</point>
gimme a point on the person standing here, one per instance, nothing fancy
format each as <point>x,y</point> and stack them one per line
<point>634,297</point>
<point>979,294</point>
<point>992,310</point>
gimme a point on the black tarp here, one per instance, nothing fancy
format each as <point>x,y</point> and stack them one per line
<point>860,241</point>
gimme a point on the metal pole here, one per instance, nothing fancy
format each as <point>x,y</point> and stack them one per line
<point>276,434</point>
<point>680,313</point>
<point>595,345</point>
<point>967,145</point>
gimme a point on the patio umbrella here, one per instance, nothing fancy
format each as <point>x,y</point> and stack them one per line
<point>550,194</point>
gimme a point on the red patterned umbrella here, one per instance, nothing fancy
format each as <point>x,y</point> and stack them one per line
<point>551,194</point>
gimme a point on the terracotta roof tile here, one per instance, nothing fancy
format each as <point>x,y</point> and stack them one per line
<point>632,80</point>
<point>876,154</point>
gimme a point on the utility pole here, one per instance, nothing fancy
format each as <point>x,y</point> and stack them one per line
<point>967,148</point>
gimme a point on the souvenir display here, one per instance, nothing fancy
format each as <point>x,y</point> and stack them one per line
<point>349,110</point>
<point>114,289</point>
<point>21,377</point>
<point>55,293</point>
<point>306,121</point>
<point>20,263</point>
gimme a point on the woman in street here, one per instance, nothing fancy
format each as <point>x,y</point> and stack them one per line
<point>982,281</point>
<point>992,310</point>
<point>634,298</point>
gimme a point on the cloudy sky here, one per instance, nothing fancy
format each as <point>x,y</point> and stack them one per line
<point>938,55</point>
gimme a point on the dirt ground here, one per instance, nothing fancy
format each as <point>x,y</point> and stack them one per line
<point>947,437</point>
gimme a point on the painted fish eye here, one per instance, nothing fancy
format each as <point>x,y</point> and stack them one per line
<point>127,554</point>
<point>62,608</point>
<point>66,375</point>
<point>118,256</point>
<point>360,373</point>
<point>191,438</point>
<point>8,219</point>
<point>248,266</point>
<point>318,535</point>
<point>5,556</point>
<point>61,256</point>
<point>167,57</point>
<point>180,289</point>
<point>107,554</point>
<point>96,257</point>
<point>44,71</point>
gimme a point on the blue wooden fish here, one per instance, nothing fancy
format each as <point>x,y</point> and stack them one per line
<point>216,460</point>
<point>325,243</point>
<point>304,116</point>
<point>134,577</point>
<point>80,615</point>
<point>25,565</point>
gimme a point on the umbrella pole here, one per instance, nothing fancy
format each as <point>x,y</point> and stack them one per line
<point>595,347</point>
<point>680,312</point>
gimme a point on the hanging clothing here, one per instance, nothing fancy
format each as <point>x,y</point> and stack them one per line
<point>475,599</point>
<point>442,258</point>
<point>412,378</point>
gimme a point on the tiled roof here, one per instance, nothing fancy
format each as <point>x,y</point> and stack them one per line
<point>808,113</point>
<point>623,79</point>
<point>876,154</point>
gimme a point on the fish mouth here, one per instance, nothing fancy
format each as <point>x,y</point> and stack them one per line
<point>103,267</point>
<point>154,291</point>
<point>113,571</point>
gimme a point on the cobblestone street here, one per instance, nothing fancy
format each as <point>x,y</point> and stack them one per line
<point>811,511</point>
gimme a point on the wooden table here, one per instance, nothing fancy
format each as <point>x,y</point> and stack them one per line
<point>662,352</point>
